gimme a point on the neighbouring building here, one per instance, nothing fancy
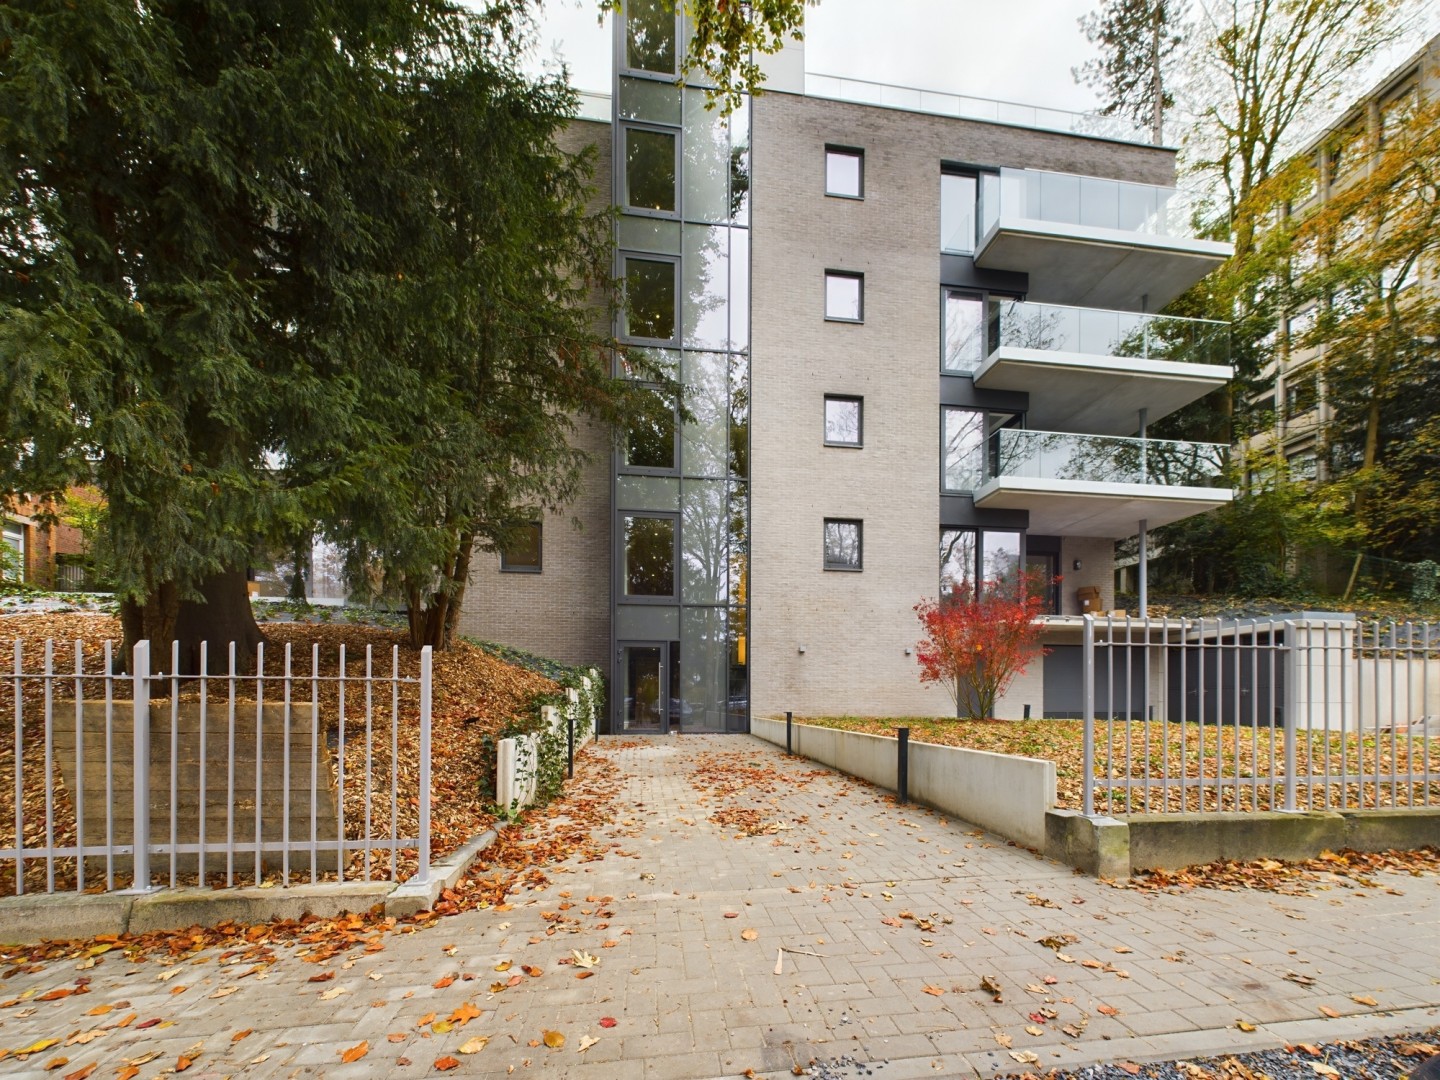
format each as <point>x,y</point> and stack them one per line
<point>916,335</point>
<point>45,552</point>
<point>1292,385</point>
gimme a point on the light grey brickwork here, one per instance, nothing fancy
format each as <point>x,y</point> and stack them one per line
<point>855,628</point>
<point>564,611</point>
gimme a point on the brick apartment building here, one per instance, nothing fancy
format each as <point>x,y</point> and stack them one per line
<point>913,330</point>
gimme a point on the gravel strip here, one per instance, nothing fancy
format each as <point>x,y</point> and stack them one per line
<point>1393,1057</point>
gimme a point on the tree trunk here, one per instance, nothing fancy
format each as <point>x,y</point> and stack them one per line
<point>223,616</point>
<point>432,621</point>
<point>1157,84</point>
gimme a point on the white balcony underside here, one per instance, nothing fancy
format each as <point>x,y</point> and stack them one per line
<point>1100,395</point>
<point>1100,268</point>
<point>1096,508</point>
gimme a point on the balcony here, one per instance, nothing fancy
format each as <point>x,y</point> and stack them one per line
<point>1092,370</point>
<point>1084,240</point>
<point>1090,485</point>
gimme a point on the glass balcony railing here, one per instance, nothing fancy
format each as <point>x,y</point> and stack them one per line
<point>1089,201</point>
<point>1053,328</point>
<point>1049,455</point>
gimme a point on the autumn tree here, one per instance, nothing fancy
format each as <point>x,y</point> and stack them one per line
<point>1360,258</point>
<point>979,639</point>
<point>1138,42</point>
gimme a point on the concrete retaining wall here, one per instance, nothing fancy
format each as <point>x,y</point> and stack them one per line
<point>1118,847</point>
<point>1005,794</point>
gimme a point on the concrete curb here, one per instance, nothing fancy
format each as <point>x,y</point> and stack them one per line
<point>69,916</point>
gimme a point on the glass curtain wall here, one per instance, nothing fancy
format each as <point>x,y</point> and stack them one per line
<point>682,183</point>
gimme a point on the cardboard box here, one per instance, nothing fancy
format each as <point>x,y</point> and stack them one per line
<point>1089,597</point>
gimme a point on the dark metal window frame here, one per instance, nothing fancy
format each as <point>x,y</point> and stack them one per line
<point>624,257</point>
<point>979,531</point>
<point>506,568</point>
<point>859,524</point>
<point>859,402</point>
<point>624,468</point>
<point>673,597</point>
<point>854,275</point>
<point>626,126</point>
<point>845,151</point>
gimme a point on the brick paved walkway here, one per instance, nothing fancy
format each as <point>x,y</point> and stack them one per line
<point>691,997</point>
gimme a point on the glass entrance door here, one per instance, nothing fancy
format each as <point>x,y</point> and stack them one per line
<point>1042,574</point>
<point>645,704</point>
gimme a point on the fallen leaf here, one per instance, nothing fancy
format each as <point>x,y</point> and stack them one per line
<point>1025,1057</point>
<point>584,974</point>
<point>333,993</point>
<point>749,935</point>
<point>991,986</point>
<point>1325,1070</point>
<point>225,991</point>
<point>1129,1066</point>
<point>36,1047</point>
<point>442,982</point>
<point>934,991</point>
<point>83,1072</point>
<point>56,1063</point>
<point>1244,1025</point>
<point>1107,1010</point>
<point>355,1053</point>
<point>1364,999</point>
<point>1328,1011</point>
<point>241,1035</point>
<point>586,1041</point>
<point>442,1027</point>
<point>474,1044</point>
<point>583,959</point>
<point>1005,1040</point>
<point>553,1039</point>
<point>129,1072</point>
<point>504,965</point>
<point>1034,1029</point>
<point>607,1021</point>
<point>445,1064</point>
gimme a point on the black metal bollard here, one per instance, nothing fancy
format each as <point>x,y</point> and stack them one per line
<point>570,739</point>
<point>1027,710</point>
<point>789,726</point>
<point>902,765</point>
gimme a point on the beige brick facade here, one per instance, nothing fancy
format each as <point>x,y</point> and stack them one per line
<point>563,612</point>
<point>855,628</point>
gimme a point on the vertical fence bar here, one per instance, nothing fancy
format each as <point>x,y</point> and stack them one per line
<point>1110,714</point>
<point>203,798</point>
<point>1185,626</point>
<point>1255,718</point>
<point>285,767</point>
<point>369,749</point>
<point>394,761</point>
<point>1379,738</point>
<point>19,771</point>
<point>1164,713</point>
<point>1236,652</point>
<point>1332,637</point>
<point>1425,710</point>
<point>140,674</point>
<point>314,760</point>
<point>259,757</point>
<point>79,766</point>
<point>230,774</point>
<point>1275,706</point>
<point>1200,706</point>
<point>1409,715</point>
<point>572,708</point>
<point>426,667</point>
<point>1129,721</point>
<point>1292,713</point>
<point>175,758</point>
<point>1087,713</point>
<point>109,768</point>
<point>1394,710</point>
<point>340,776</point>
<point>49,768</point>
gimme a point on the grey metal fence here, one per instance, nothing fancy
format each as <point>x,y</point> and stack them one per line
<point>271,774</point>
<point>1269,713</point>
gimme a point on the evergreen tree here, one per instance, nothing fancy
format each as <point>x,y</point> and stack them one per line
<point>1138,40</point>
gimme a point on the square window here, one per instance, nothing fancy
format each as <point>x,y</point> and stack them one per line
<point>650,299</point>
<point>844,296</point>
<point>650,170</point>
<point>522,554</point>
<point>842,544</point>
<point>843,420</point>
<point>649,556</point>
<point>844,172</point>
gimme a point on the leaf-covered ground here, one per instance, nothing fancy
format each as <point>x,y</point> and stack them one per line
<point>1139,762</point>
<point>474,695</point>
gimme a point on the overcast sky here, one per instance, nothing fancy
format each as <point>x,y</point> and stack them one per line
<point>1021,50</point>
<point>1016,50</point>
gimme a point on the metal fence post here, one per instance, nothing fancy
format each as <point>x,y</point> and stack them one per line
<point>422,874</point>
<point>1087,699</point>
<point>902,765</point>
<point>789,725</point>
<point>140,682</point>
<point>570,735</point>
<point>1290,713</point>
